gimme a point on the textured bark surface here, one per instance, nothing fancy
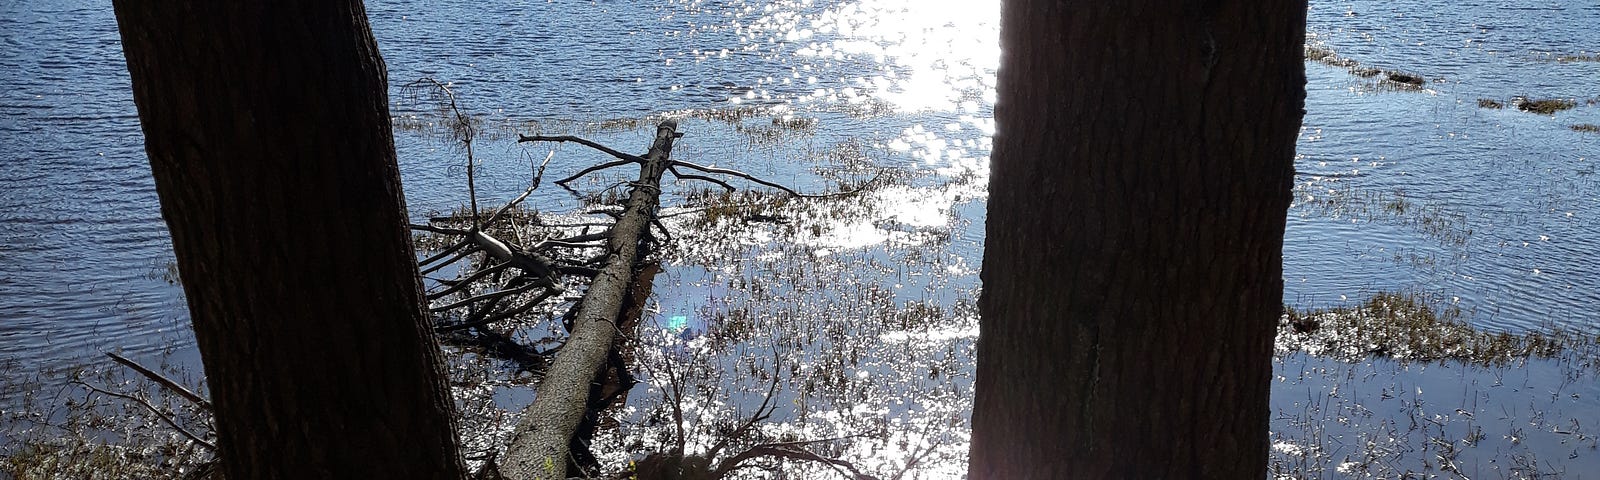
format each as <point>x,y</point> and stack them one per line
<point>268,132</point>
<point>1132,270</point>
<point>539,445</point>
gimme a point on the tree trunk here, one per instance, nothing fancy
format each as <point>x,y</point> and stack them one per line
<point>1133,265</point>
<point>268,132</point>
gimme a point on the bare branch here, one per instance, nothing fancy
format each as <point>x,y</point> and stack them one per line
<point>536,179</point>
<point>446,252</point>
<point>665,234</point>
<point>175,387</point>
<point>746,176</point>
<point>587,143</point>
<point>563,182</point>
<point>439,230</point>
<point>500,316</point>
<point>684,176</point>
<point>463,283</point>
<point>736,173</point>
<point>486,296</point>
<point>524,308</point>
<point>457,257</point>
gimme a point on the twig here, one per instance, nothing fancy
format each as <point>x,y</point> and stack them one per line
<point>175,387</point>
<point>918,455</point>
<point>153,410</point>
<point>536,178</point>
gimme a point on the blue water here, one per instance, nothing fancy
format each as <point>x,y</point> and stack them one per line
<point>1502,212</point>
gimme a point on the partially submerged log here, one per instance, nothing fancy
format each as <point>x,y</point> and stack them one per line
<point>539,446</point>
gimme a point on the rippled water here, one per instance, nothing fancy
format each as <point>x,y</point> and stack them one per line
<point>1497,211</point>
<point>1501,207</point>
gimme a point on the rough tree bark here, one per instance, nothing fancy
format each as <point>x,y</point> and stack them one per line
<point>1132,272</point>
<point>539,446</point>
<point>268,132</point>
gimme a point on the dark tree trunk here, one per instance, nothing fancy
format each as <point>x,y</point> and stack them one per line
<point>1133,267</point>
<point>268,132</point>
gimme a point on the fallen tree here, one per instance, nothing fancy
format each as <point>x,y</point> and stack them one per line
<point>539,447</point>
<point>589,369</point>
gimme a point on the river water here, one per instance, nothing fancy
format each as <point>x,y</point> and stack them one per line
<point>1496,211</point>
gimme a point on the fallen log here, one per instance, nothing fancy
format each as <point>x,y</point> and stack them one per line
<point>539,447</point>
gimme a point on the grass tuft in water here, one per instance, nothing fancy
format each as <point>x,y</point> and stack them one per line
<point>1404,78</point>
<point>1547,106</point>
<point>1406,326</point>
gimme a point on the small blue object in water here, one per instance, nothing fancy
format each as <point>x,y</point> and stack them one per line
<point>678,323</point>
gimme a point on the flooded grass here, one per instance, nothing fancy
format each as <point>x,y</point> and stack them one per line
<point>1585,127</point>
<point>1490,104</point>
